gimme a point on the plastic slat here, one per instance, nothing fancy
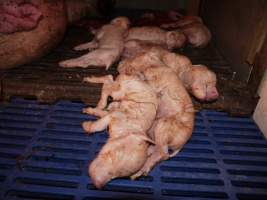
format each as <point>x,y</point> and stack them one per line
<point>44,154</point>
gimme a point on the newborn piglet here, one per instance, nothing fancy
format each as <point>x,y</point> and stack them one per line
<point>128,119</point>
<point>198,79</point>
<point>175,115</point>
<point>107,46</point>
<point>134,47</point>
<point>155,35</point>
<point>197,34</point>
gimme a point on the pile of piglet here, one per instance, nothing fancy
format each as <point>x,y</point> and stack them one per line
<point>152,115</point>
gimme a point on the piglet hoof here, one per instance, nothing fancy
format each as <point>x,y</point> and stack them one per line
<point>107,66</point>
<point>89,79</point>
<point>66,64</point>
<point>84,110</point>
<point>87,126</point>
<point>72,63</point>
<point>87,110</point>
<point>137,175</point>
<point>78,48</point>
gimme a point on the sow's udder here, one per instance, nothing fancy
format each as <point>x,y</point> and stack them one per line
<point>18,15</point>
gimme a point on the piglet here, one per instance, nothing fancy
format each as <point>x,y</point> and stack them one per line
<point>128,118</point>
<point>197,34</point>
<point>155,35</point>
<point>175,115</point>
<point>106,47</point>
<point>198,79</point>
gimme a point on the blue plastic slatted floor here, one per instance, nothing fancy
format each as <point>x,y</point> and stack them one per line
<point>44,154</point>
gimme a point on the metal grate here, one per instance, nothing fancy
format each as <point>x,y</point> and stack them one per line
<point>44,154</point>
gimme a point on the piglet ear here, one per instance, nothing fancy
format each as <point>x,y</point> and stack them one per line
<point>170,39</point>
<point>121,21</point>
<point>174,15</point>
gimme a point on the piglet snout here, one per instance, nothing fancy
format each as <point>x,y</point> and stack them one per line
<point>212,94</point>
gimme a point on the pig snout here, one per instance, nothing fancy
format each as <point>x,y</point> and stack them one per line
<point>99,176</point>
<point>211,94</point>
<point>205,93</point>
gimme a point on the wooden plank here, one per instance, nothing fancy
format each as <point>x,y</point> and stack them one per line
<point>235,98</point>
<point>192,7</point>
<point>51,92</point>
<point>233,25</point>
<point>260,33</point>
<point>47,82</point>
<point>260,66</point>
<point>1,85</point>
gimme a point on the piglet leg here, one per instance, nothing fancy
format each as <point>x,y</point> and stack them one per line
<point>95,111</point>
<point>106,88</point>
<point>83,61</point>
<point>159,154</point>
<point>89,45</point>
<point>169,133</point>
<point>100,57</point>
<point>95,126</point>
<point>113,106</point>
<point>108,79</point>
